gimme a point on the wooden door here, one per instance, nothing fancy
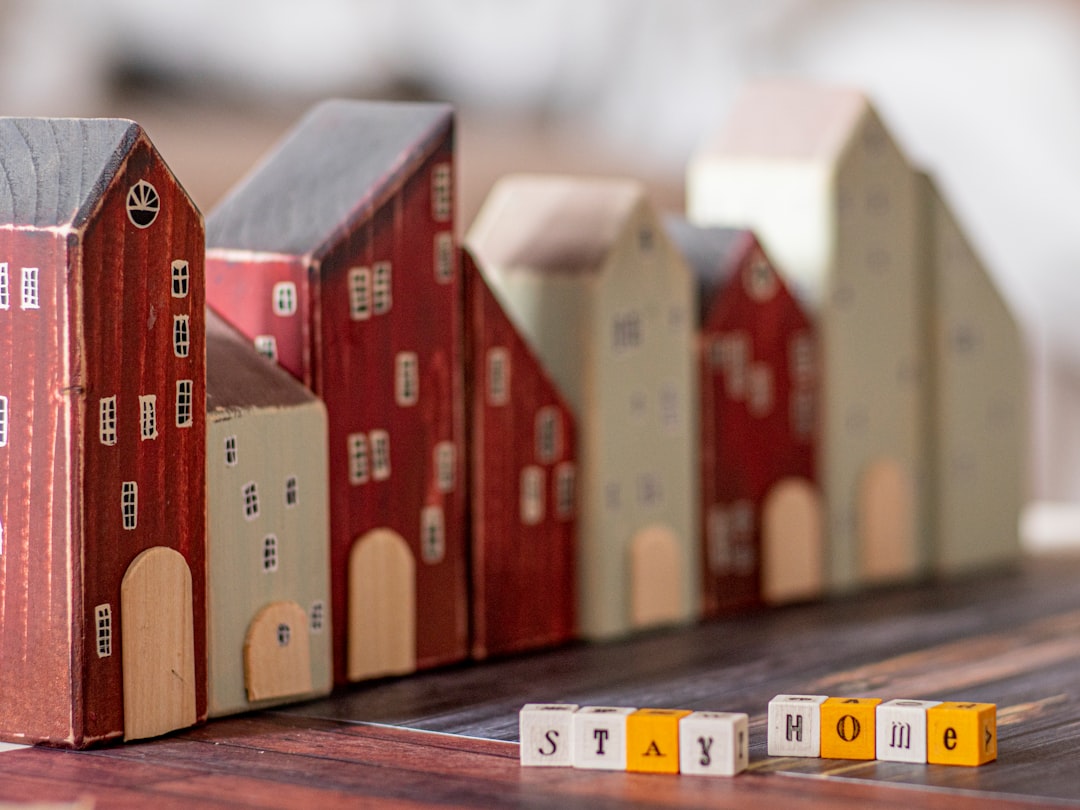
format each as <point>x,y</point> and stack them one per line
<point>656,583</point>
<point>157,632</point>
<point>792,543</point>
<point>382,606</point>
<point>886,522</point>
<point>277,653</point>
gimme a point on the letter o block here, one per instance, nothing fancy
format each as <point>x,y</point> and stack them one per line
<point>600,737</point>
<point>545,730</point>
<point>652,740</point>
<point>847,728</point>
<point>795,725</point>
<point>961,733</point>
<point>714,743</point>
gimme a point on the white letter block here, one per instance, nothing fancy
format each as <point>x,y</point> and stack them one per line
<point>795,725</point>
<point>546,735</point>
<point>901,730</point>
<point>600,737</point>
<point>714,743</point>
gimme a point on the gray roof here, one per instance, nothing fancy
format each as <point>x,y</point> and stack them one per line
<point>53,171</point>
<point>710,252</point>
<point>328,173</point>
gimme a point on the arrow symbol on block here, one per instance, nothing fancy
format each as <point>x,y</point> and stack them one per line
<point>989,737</point>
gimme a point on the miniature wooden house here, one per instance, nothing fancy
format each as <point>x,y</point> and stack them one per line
<point>587,274</point>
<point>522,476</point>
<point>815,174</point>
<point>336,256</point>
<point>102,437</point>
<point>268,535</point>
<point>761,513</point>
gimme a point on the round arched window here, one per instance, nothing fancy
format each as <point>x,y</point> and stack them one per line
<point>143,204</point>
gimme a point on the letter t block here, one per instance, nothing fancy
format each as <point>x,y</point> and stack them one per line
<point>546,735</point>
<point>961,733</point>
<point>847,728</point>
<point>795,725</point>
<point>652,740</point>
<point>600,737</point>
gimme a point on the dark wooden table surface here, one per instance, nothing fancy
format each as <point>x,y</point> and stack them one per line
<point>449,738</point>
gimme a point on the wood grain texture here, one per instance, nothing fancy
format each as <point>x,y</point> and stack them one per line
<point>277,652</point>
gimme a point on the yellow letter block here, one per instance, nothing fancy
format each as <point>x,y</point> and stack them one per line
<point>961,733</point>
<point>652,740</point>
<point>847,728</point>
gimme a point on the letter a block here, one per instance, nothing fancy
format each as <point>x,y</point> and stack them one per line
<point>546,735</point>
<point>652,740</point>
<point>714,743</point>
<point>847,728</point>
<point>795,725</point>
<point>901,730</point>
<point>961,733</point>
<point>600,737</point>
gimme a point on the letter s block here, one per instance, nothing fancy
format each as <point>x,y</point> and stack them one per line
<point>600,737</point>
<point>795,725</point>
<point>652,740</point>
<point>847,728</point>
<point>961,733</point>
<point>714,743</point>
<point>545,730</point>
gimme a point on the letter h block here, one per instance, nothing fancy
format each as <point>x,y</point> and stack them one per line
<point>652,740</point>
<point>545,730</point>
<point>795,725</point>
<point>714,743</point>
<point>961,733</point>
<point>901,730</point>
<point>600,737</point>
<point>847,728</point>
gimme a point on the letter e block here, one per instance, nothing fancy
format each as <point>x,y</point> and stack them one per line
<point>901,730</point>
<point>714,743</point>
<point>847,728</point>
<point>546,734</point>
<point>600,737</point>
<point>795,725</point>
<point>961,733</point>
<point>652,740</point>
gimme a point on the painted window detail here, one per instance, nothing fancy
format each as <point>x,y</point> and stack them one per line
<point>760,393</point>
<point>284,295</point>
<point>4,286</point>
<point>103,629</point>
<point>269,554</point>
<point>231,456</point>
<point>445,466</point>
<point>3,421</point>
<point>148,417</point>
<point>358,458</point>
<point>444,257</point>
<point>317,616</point>
<point>380,455</point>
<point>284,635</point>
<point>107,420</point>
<point>548,434</point>
<point>266,345</point>
<point>180,278</point>
<point>129,504</point>
<point>626,331</point>
<point>183,403</point>
<point>565,490</point>
<point>406,379</point>
<point>143,204</point>
<point>432,534</point>
<point>441,192</point>
<point>801,353</point>
<point>292,492</point>
<point>181,335</point>
<point>498,376</point>
<point>802,413</point>
<point>29,288</point>
<point>251,500</point>
<point>381,293</point>
<point>532,495</point>
<point>731,538</point>
<point>735,352</point>
<point>670,407</point>
<point>759,279</point>
<point>650,491</point>
<point>360,293</point>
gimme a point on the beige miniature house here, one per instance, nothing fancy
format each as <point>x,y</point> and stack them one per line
<point>586,271</point>
<point>835,202</point>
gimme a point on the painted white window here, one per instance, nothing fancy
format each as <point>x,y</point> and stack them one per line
<point>445,466</point>
<point>129,504</point>
<point>4,286</point>
<point>360,293</point>
<point>143,204</point>
<point>231,456</point>
<point>292,492</point>
<point>358,458</point>
<point>29,288</point>
<point>107,420</point>
<point>760,393</point>
<point>382,298</point>
<point>432,534</point>
<point>317,616</point>
<point>251,500</point>
<point>444,257</point>
<point>565,490</point>
<point>103,627</point>
<point>266,345</point>
<point>626,331</point>
<point>498,376</point>
<point>181,335</point>
<point>380,455</point>
<point>284,635</point>
<point>3,421</point>
<point>759,279</point>
<point>184,414</point>
<point>441,192</point>
<point>284,298</point>
<point>548,434</point>
<point>269,554</point>
<point>532,495</point>
<point>148,417</point>
<point>406,379</point>
<point>180,278</point>
<point>801,352</point>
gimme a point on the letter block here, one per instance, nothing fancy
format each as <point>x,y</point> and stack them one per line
<point>961,733</point>
<point>795,725</point>
<point>600,737</point>
<point>652,740</point>
<point>714,743</point>
<point>901,730</point>
<point>545,730</point>
<point>847,728</point>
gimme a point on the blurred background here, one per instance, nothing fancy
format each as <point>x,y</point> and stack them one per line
<point>985,94</point>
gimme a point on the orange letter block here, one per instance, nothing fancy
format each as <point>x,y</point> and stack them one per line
<point>961,733</point>
<point>652,740</point>
<point>847,728</point>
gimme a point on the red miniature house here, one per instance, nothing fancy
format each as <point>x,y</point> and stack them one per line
<point>523,475</point>
<point>102,437</point>
<point>761,518</point>
<point>336,257</point>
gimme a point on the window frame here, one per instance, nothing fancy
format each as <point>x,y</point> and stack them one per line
<point>497,383</point>
<point>380,454</point>
<point>184,403</point>
<point>360,303</point>
<point>182,335</point>
<point>284,299</point>
<point>232,452</point>
<point>270,559</point>
<point>129,505</point>
<point>359,458</point>
<point>181,278</point>
<point>292,492</point>
<point>31,289</point>
<point>406,379</point>
<point>4,410</point>
<point>107,421</point>
<point>250,500</point>
<point>442,192</point>
<point>148,417</point>
<point>433,525</point>
<point>103,630</point>
<point>444,257</point>
<point>531,495</point>
<point>382,288</point>
<point>5,286</point>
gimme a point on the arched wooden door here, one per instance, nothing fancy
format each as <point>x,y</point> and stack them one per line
<point>277,652</point>
<point>886,522</point>
<point>157,631</point>
<point>792,542</point>
<point>382,606</point>
<point>656,582</point>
